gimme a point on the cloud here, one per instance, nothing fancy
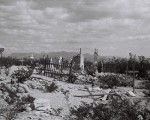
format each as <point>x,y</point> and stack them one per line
<point>113,26</point>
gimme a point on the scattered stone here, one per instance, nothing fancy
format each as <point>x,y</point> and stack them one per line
<point>130,101</point>
<point>28,108</point>
<point>13,89</point>
<point>5,94</point>
<point>105,96</point>
<point>42,104</point>
<point>130,94</point>
<point>20,90</point>
<point>140,117</point>
<point>2,78</point>
<point>40,119</point>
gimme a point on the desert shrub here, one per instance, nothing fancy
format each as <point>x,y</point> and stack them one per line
<point>88,112</point>
<point>21,104</point>
<point>22,75</point>
<point>8,112</point>
<point>28,99</point>
<point>112,80</point>
<point>16,105</point>
<point>50,87</point>
<point>72,78</point>
<point>114,110</point>
<point>146,84</point>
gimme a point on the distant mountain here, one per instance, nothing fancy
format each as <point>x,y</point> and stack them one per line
<point>65,55</point>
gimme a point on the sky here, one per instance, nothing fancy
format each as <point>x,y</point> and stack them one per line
<point>114,27</point>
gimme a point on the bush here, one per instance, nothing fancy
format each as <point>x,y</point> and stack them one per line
<point>22,75</point>
<point>72,78</point>
<point>110,80</point>
<point>50,87</point>
<point>21,104</point>
<point>114,110</point>
<point>88,112</point>
<point>146,84</point>
<point>113,80</point>
<point>8,112</point>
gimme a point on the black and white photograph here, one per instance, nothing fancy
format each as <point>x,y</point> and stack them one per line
<point>74,59</point>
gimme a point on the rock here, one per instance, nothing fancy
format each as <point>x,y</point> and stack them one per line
<point>8,99</point>
<point>13,89</point>
<point>20,90</point>
<point>32,106</point>
<point>25,87</point>
<point>36,113</point>
<point>21,94</point>
<point>5,94</point>
<point>42,104</point>
<point>28,108</point>
<point>2,78</point>
<point>6,87</point>
<point>89,78</point>
<point>1,93</point>
<point>130,94</point>
<point>140,117</point>
<point>130,102</point>
<point>97,89</point>
<point>106,96</point>
<point>44,108</point>
<point>44,115</point>
<point>40,119</point>
<point>3,103</point>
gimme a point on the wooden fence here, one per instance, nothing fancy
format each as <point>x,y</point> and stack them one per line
<point>53,67</point>
<point>58,68</point>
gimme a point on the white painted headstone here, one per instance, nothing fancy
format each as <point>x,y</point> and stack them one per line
<point>81,61</point>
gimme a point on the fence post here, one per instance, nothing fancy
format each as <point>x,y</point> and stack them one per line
<point>134,74</point>
<point>127,71</point>
<point>62,65</point>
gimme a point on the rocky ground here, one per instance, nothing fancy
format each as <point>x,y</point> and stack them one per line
<point>54,105</point>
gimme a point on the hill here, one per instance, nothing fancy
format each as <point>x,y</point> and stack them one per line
<point>65,55</point>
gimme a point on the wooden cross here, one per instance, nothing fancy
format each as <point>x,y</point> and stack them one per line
<point>22,60</point>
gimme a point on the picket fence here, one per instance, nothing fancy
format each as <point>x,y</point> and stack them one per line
<point>57,67</point>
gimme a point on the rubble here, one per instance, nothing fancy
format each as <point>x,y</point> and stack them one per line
<point>130,94</point>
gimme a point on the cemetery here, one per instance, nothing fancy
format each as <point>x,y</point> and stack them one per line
<point>58,89</point>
